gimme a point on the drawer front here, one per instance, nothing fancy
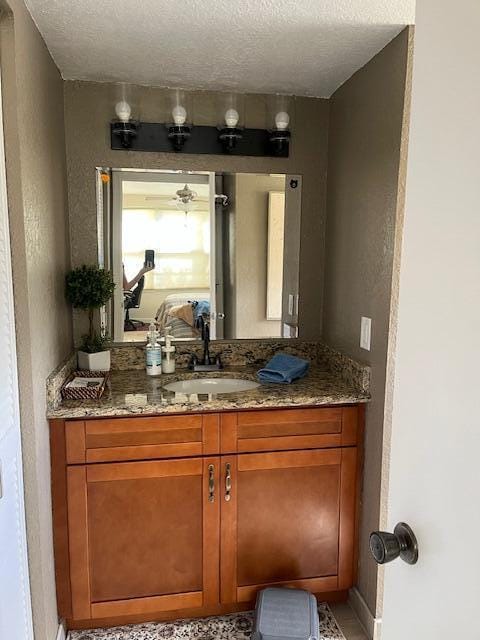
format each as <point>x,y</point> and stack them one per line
<point>142,438</point>
<point>285,429</point>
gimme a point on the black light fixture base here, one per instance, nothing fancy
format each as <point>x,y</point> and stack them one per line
<point>125,132</point>
<point>229,136</point>
<point>280,141</point>
<point>178,134</point>
<point>169,138</point>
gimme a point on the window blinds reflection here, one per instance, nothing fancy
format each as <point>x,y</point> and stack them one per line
<point>181,243</point>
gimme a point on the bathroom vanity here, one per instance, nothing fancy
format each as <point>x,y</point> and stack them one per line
<point>191,510</point>
<point>169,505</point>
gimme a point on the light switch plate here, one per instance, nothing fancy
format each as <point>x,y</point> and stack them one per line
<point>365,333</point>
<point>290,304</point>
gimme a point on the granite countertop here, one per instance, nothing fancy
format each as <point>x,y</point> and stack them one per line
<point>132,392</point>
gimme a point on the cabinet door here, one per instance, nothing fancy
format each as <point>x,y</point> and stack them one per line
<point>288,519</point>
<point>143,536</point>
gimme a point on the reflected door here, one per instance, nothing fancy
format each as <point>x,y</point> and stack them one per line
<point>167,216</point>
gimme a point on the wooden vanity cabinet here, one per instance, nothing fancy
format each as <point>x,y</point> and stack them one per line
<point>251,499</point>
<point>143,536</point>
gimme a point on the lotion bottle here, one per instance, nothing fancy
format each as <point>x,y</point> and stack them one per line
<point>153,352</point>
<point>168,359</point>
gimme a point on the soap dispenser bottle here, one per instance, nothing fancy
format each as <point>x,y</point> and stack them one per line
<point>153,352</point>
<point>168,359</point>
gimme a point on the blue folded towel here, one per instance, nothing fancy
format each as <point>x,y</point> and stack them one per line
<point>200,307</point>
<point>283,368</point>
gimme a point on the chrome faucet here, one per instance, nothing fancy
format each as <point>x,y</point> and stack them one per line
<point>206,363</point>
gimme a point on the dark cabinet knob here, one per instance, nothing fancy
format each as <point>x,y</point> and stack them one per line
<point>386,547</point>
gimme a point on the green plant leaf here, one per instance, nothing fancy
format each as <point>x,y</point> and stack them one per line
<point>89,287</point>
<point>96,343</point>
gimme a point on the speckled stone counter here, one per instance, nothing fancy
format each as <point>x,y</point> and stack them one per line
<point>132,392</point>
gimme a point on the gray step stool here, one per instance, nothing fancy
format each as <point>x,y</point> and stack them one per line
<point>285,614</point>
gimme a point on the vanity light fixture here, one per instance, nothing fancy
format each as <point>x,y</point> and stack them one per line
<point>178,130</point>
<point>175,133</point>
<point>124,126</point>
<point>280,132</point>
<point>229,117</point>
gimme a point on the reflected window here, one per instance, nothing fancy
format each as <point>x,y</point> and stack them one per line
<point>181,242</point>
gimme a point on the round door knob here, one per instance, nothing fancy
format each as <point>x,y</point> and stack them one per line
<point>386,547</point>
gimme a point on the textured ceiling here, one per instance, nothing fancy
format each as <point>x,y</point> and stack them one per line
<point>302,47</point>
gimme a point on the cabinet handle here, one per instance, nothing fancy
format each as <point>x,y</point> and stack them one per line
<point>228,482</point>
<point>211,483</point>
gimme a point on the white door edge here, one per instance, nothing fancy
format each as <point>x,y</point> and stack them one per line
<point>15,599</point>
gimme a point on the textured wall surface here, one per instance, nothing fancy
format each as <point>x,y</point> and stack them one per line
<point>366,122</point>
<point>302,48</point>
<point>36,176</point>
<point>88,111</point>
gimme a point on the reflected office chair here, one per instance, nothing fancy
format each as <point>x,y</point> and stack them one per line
<point>131,300</point>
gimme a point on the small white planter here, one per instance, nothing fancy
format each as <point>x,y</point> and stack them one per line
<point>94,361</point>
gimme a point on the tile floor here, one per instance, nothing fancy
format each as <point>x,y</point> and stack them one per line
<point>236,626</point>
<point>348,622</point>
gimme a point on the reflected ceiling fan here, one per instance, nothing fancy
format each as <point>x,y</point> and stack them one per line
<point>185,199</point>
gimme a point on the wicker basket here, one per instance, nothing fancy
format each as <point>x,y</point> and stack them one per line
<point>86,393</point>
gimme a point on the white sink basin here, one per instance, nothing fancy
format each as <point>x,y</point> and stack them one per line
<point>211,385</point>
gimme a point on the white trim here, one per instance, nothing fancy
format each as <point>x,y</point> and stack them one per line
<point>116,304</point>
<point>61,633</point>
<point>213,276</point>
<point>371,625</point>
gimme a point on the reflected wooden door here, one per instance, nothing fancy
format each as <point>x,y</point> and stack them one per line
<point>143,536</point>
<point>288,520</point>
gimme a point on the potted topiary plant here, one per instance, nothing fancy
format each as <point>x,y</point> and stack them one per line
<point>89,288</point>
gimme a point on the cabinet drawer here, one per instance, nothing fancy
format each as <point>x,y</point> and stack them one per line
<point>285,429</point>
<point>142,438</point>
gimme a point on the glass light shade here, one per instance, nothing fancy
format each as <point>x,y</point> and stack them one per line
<point>180,107</point>
<point>230,110</point>
<point>280,113</point>
<point>125,102</point>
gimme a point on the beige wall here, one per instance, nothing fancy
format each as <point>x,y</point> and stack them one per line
<point>251,235</point>
<point>88,111</point>
<point>36,175</point>
<point>366,122</point>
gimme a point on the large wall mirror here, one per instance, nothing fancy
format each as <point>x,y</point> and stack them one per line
<point>187,244</point>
